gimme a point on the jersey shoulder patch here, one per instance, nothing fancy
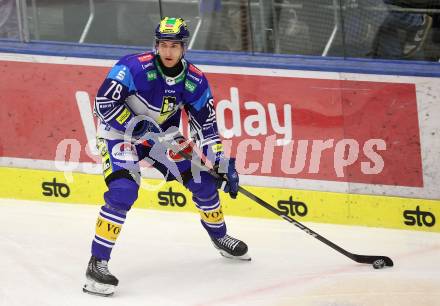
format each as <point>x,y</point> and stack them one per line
<point>138,62</point>
<point>125,71</point>
<point>147,65</point>
<point>194,70</point>
<point>195,79</point>
<point>145,57</point>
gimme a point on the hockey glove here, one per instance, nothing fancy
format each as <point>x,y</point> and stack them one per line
<point>230,179</point>
<point>145,127</point>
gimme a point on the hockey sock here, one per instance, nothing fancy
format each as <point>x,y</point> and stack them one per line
<point>108,227</point>
<point>213,221</point>
<point>206,198</point>
<point>119,198</point>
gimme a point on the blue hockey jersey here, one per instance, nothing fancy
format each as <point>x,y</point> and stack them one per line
<point>136,85</point>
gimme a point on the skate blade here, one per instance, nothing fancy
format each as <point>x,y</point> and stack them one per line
<point>95,288</point>
<point>244,257</point>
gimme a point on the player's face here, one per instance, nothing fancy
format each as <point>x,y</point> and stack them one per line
<point>170,52</point>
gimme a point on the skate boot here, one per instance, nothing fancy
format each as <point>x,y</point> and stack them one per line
<point>231,247</point>
<point>99,279</point>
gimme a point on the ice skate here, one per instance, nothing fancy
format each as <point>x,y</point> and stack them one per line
<point>99,279</point>
<point>231,247</point>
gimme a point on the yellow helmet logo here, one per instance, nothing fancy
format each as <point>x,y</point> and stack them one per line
<point>170,25</point>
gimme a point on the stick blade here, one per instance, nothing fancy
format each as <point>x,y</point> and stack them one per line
<point>369,259</point>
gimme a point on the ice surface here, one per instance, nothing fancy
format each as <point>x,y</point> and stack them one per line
<point>167,259</point>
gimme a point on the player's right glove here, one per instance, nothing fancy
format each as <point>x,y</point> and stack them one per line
<point>230,180</point>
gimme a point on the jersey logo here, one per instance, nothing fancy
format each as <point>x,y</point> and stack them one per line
<point>190,86</point>
<point>121,74</point>
<point>211,109</point>
<point>193,68</point>
<point>198,80</point>
<point>168,105</point>
<point>169,108</point>
<point>151,75</point>
<point>125,151</point>
<point>145,58</point>
<point>123,116</point>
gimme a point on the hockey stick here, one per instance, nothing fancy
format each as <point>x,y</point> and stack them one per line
<point>377,261</point>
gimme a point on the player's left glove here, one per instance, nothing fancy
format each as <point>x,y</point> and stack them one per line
<point>230,180</point>
<point>145,128</point>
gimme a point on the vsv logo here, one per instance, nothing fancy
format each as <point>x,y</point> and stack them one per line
<point>171,198</point>
<point>215,216</point>
<point>111,228</point>
<point>55,189</point>
<point>292,207</point>
<point>419,217</point>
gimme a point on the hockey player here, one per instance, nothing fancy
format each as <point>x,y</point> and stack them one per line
<point>160,85</point>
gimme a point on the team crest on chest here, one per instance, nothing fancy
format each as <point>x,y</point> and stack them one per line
<point>169,105</point>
